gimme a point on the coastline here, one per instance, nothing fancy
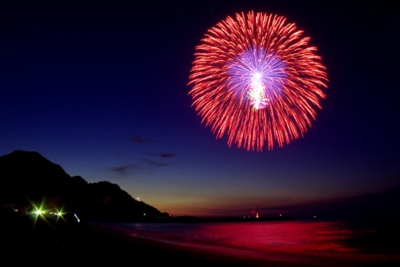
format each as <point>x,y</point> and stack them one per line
<point>94,244</point>
<point>148,252</point>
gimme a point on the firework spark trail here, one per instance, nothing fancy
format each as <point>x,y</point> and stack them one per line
<point>256,80</point>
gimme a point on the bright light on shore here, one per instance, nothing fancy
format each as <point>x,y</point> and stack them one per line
<point>39,212</point>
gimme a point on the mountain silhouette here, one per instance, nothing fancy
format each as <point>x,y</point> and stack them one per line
<point>28,181</point>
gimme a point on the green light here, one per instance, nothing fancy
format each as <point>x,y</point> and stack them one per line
<point>56,213</point>
<point>39,212</point>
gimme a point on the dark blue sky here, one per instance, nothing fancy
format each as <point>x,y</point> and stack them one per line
<point>101,89</point>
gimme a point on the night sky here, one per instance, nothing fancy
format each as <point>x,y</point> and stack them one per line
<point>101,89</point>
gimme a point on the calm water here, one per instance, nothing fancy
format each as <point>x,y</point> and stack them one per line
<point>257,239</point>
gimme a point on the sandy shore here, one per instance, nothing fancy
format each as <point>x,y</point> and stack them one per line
<point>95,245</point>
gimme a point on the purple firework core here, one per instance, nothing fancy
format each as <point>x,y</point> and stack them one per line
<point>257,76</point>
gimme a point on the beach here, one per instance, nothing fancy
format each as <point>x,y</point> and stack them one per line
<point>95,244</point>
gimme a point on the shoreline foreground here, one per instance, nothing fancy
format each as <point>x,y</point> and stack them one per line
<point>96,244</point>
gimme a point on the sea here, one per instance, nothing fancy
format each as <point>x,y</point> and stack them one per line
<point>340,243</point>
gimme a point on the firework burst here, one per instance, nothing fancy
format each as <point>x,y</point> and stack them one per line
<point>256,80</point>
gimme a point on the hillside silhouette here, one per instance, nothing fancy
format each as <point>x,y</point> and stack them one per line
<point>28,181</point>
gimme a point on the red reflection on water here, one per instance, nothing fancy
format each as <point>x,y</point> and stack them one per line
<point>299,236</point>
<point>294,241</point>
<point>287,236</point>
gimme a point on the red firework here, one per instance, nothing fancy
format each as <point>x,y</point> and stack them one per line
<point>256,80</point>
